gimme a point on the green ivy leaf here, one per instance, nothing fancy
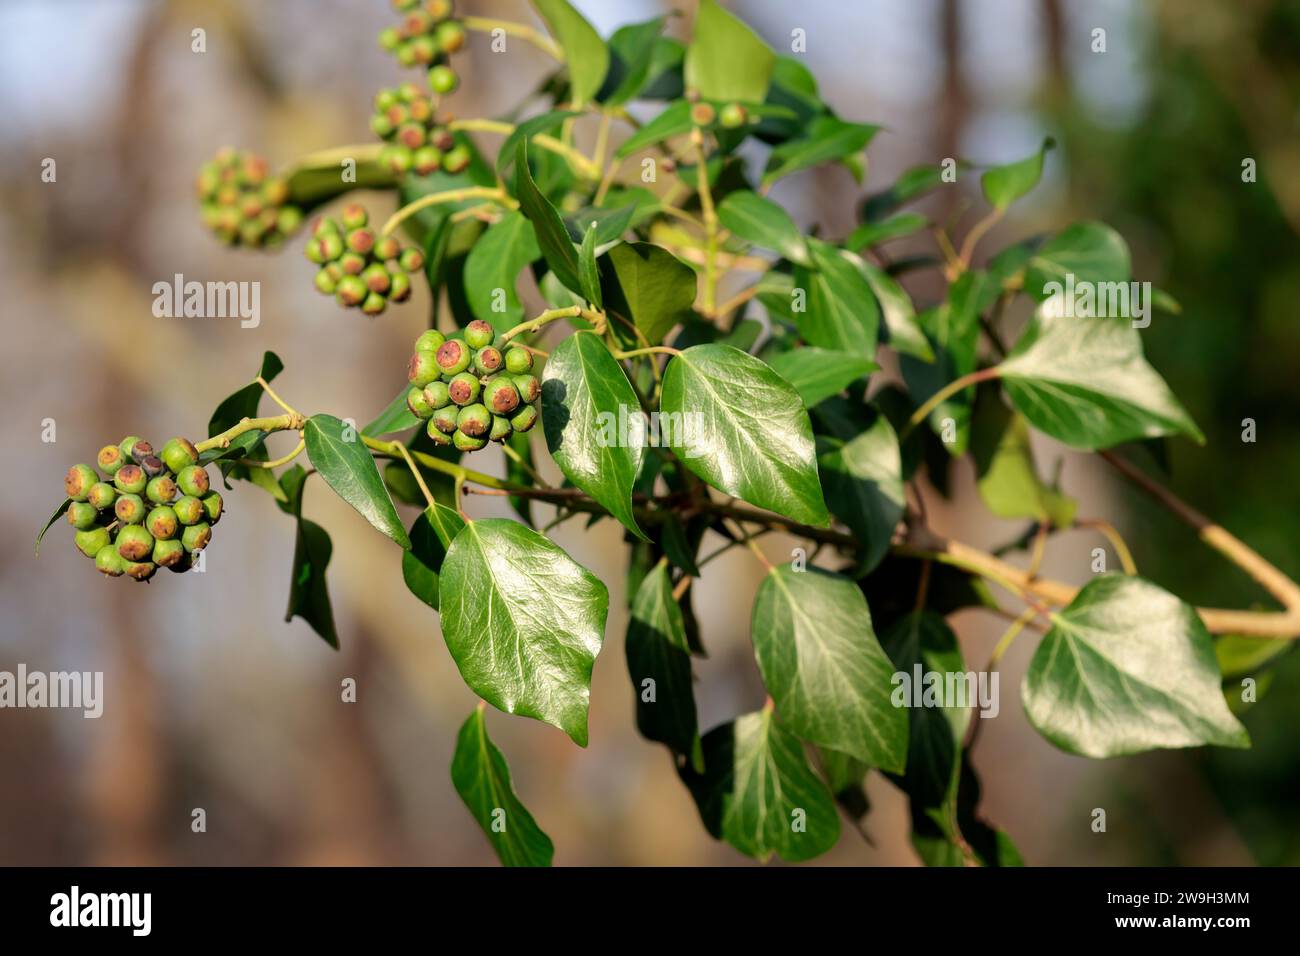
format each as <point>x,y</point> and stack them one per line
<point>1008,479</point>
<point>309,596</point>
<point>234,409</point>
<point>586,400</point>
<point>902,331</point>
<point>431,535</point>
<point>726,60</point>
<point>827,674</point>
<point>585,53</point>
<point>59,512</point>
<point>632,52</point>
<point>396,417</point>
<point>482,778</point>
<point>827,140</point>
<point>649,286</point>
<point>338,453</point>
<point>762,222</point>
<point>951,833</point>
<point>657,651</point>
<point>1003,185</point>
<point>1127,667</point>
<point>1085,382</point>
<point>494,263</point>
<point>673,121</point>
<point>552,238</point>
<point>912,184</point>
<point>523,622</point>
<point>588,274</point>
<point>1090,251</point>
<point>895,227</point>
<point>863,483</point>
<point>841,313</point>
<point>756,785</point>
<point>817,374</point>
<point>743,430</point>
<point>533,126</point>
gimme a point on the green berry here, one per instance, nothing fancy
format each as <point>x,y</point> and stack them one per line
<point>444,419</point>
<point>140,570</point>
<point>427,159</point>
<point>733,115</point>
<point>436,395</point>
<point>474,420</point>
<point>524,419</point>
<point>162,523</point>
<point>328,248</point>
<point>350,291</point>
<point>141,450</point>
<point>161,490</point>
<point>443,79</point>
<point>352,263</point>
<point>397,158</point>
<point>193,481</point>
<point>213,506</point>
<point>436,434</point>
<point>430,341</point>
<point>412,260</point>
<point>450,36</point>
<point>416,404</point>
<point>354,216</point>
<point>424,50</point>
<point>488,360</point>
<point>442,138</point>
<point>412,135</point>
<point>189,510</point>
<point>423,367</point>
<point>361,241</point>
<point>168,553</point>
<point>421,110</point>
<point>130,479</point>
<point>501,396</point>
<point>179,453</point>
<point>323,226</point>
<point>374,304</point>
<point>325,282</point>
<point>196,536</point>
<point>134,543</point>
<point>463,388</point>
<point>79,480</point>
<point>500,428</point>
<point>110,459</point>
<point>82,515</point>
<point>376,278</point>
<point>389,38</point>
<point>109,562</point>
<point>452,357</point>
<point>400,290</point>
<point>438,9</point>
<point>703,114</point>
<point>518,360</point>
<point>406,54</point>
<point>102,495</point>
<point>387,247</point>
<point>530,390</point>
<point>129,509</point>
<point>90,541</point>
<point>468,442</point>
<point>479,334</point>
<point>456,159</point>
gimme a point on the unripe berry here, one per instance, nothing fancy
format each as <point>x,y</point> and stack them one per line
<point>82,515</point>
<point>288,219</point>
<point>463,388</point>
<point>423,367</point>
<point>389,38</point>
<point>478,334</point>
<point>524,419</point>
<point>421,110</point>
<point>354,216</point>
<point>468,442</point>
<point>141,450</point>
<point>179,453</point>
<point>213,506</point>
<point>487,360</point>
<point>733,115</point>
<point>412,260</point>
<point>350,290</point>
<point>380,126</point>
<point>161,490</point>
<point>409,92</point>
<point>374,304</point>
<point>130,509</point>
<point>530,390</point>
<point>189,510</point>
<point>153,466</point>
<point>443,79</point>
<point>361,241</point>
<point>456,159</point>
<point>89,542</point>
<point>130,479</point>
<point>102,496</point>
<point>387,247</point>
<point>323,226</point>
<point>412,136</point>
<point>134,543</point>
<point>442,138</point>
<point>436,394</point>
<point>109,562</point>
<point>162,523</point>
<point>518,360</point>
<point>325,282</point>
<point>400,285</point>
<point>438,9</point>
<point>167,554</point>
<point>436,434</point>
<point>140,570</point>
<point>501,396</point>
<point>450,36</point>
<point>352,263</point>
<point>417,405</point>
<point>193,481</point>
<point>406,54</point>
<point>452,357</point>
<point>397,158</point>
<point>427,159</point>
<point>500,429</point>
<point>196,537</point>
<point>430,340</point>
<point>474,420</point>
<point>376,278</point>
<point>110,459</point>
<point>79,480</point>
<point>444,419</point>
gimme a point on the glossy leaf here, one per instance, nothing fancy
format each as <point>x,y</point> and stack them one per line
<point>673,121</point>
<point>431,535</point>
<point>841,313</point>
<point>396,417</point>
<point>547,122</point>
<point>726,59</point>
<point>523,621</point>
<point>594,426</point>
<point>895,227</point>
<point>762,222</point>
<point>1003,185</point>
<point>492,270</point>
<point>1127,667</point>
<point>309,596</point>
<point>1008,479</point>
<point>744,430</point>
<point>59,512</point>
<point>632,53</point>
<point>1092,252</point>
<point>863,482</point>
<point>552,238</point>
<point>587,271</point>
<point>902,331</point>
<point>585,54</point>
<point>234,409</point>
<point>659,663</point>
<point>912,184</point>
<point>649,286</point>
<point>825,670</point>
<point>337,452</point>
<point>482,778</point>
<point>817,374</point>
<point>827,140</point>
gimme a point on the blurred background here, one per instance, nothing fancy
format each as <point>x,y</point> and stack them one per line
<point>213,702</point>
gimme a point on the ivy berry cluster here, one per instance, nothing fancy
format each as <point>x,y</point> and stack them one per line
<point>427,36</point>
<point>359,269</point>
<point>404,116</point>
<point>242,203</point>
<point>472,390</point>
<point>149,511</point>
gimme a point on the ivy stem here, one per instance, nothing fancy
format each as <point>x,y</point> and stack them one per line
<point>519,460</point>
<point>973,237</point>
<point>395,449</point>
<point>266,387</point>
<point>581,164</point>
<point>331,158</point>
<point>945,393</point>
<point>254,463</point>
<point>521,30</point>
<point>1109,532</point>
<point>551,315</point>
<point>1012,632</point>
<point>277,423</point>
<point>415,473</point>
<point>748,540</point>
<point>710,221</point>
<point>493,193</point>
<point>648,350</point>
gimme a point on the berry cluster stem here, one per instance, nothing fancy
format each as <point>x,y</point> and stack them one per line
<point>277,423</point>
<point>583,166</point>
<point>710,222</point>
<point>551,315</point>
<point>493,193</point>
<point>521,30</point>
